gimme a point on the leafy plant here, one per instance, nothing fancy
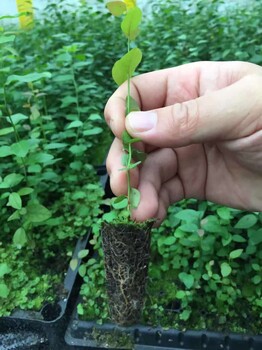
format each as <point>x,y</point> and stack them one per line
<point>48,190</point>
<point>122,72</point>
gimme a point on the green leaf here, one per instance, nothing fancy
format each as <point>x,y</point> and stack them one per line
<point>235,253</point>
<point>14,216</point>
<point>124,159</point>
<point>25,191</point>
<point>4,290</point>
<point>37,213</point>
<point>35,114</point>
<point>21,148</point>
<point>127,139</point>
<point>225,269</point>
<point>131,166</point>
<point>134,198</point>
<point>4,269</point>
<point>20,238</point>
<point>180,294</point>
<point>131,23</point>
<point>5,151</point>
<point>120,202</point>
<point>246,221</point>
<point>187,279</point>
<point>82,270</point>
<point>6,131</point>
<point>238,238</point>
<point>187,215</point>
<point>55,145</point>
<point>117,8</point>
<point>126,66</point>
<point>256,279</point>
<point>14,201</point>
<point>189,227</point>
<point>11,180</point>
<point>75,124</point>
<point>73,264</point>
<point>28,78</point>
<point>170,240</point>
<point>93,131</point>
<point>80,309</point>
<point>16,118</point>
<point>82,253</point>
<point>6,39</point>
<point>224,213</point>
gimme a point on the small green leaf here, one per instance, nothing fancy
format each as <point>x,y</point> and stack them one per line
<point>238,238</point>
<point>189,227</point>
<point>4,290</point>
<point>6,39</point>
<point>37,213</point>
<point>21,148</point>
<point>14,201</point>
<point>14,216</point>
<point>25,191</point>
<point>6,131</point>
<point>75,124</point>
<point>35,114</point>
<point>20,238</point>
<point>16,118</point>
<point>127,139</point>
<point>187,215</point>
<point>82,270</point>
<point>246,221</point>
<point>5,151</point>
<point>82,253</point>
<point>235,253</point>
<point>126,66</point>
<point>225,269</point>
<point>256,279</point>
<point>80,309</point>
<point>117,8</point>
<point>170,240</point>
<point>134,198</point>
<point>120,202</point>
<point>180,294</point>
<point>93,131</point>
<point>187,279</point>
<point>131,23</point>
<point>11,180</point>
<point>28,78</point>
<point>124,159</point>
<point>224,213</point>
<point>73,264</point>
<point>4,269</point>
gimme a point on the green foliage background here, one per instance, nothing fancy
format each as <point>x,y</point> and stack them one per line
<point>63,122</point>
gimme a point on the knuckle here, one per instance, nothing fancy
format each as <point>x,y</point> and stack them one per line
<point>185,118</point>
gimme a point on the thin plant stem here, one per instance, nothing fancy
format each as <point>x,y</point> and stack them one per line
<point>17,138</point>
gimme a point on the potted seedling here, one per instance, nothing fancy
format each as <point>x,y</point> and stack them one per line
<point>126,243</point>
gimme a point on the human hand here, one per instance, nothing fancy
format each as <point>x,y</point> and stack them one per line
<point>201,127</point>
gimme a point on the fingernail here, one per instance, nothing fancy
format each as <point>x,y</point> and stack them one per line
<point>141,121</point>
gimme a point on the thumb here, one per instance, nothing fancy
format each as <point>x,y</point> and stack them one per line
<point>225,114</point>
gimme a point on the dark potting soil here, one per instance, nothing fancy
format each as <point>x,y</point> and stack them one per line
<point>126,253</point>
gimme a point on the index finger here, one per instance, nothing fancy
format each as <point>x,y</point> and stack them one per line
<point>151,91</point>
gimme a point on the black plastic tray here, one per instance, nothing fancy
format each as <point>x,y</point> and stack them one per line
<point>79,334</point>
<point>21,330</point>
